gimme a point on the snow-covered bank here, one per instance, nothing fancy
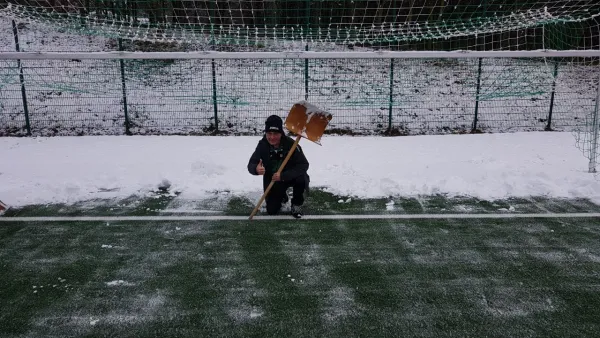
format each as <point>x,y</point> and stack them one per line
<point>488,166</point>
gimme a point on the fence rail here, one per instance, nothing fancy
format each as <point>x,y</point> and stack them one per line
<point>133,93</point>
<point>381,54</point>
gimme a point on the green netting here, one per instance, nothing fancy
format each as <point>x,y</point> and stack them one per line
<point>588,137</point>
<point>298,24</point>
<point>514,78</point>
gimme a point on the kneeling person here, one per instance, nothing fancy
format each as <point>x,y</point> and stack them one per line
<point>266,160</point>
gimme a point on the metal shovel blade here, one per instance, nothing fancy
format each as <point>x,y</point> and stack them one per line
<point>308,121</point>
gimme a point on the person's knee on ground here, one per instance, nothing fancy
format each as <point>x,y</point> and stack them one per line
<point>299,187</point>
<point>275,198</point>
<point>273,208</point>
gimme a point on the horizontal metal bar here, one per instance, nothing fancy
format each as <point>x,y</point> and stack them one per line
<point>295,55</point>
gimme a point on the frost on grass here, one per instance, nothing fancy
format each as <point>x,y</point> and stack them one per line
<point>238,284</point>
<point>439,257</point>
<point>586,254</point>
<point>503,298</point>
<point>513,302</point>
<point>78,316</point>
<point>149,266</point>
<point>308,259</point>
<point>242,312</point>
<point>120,283</point>
<point>552,256</point>
<point>45,265</point>
<point>340,304</point>
<point>337,302</point>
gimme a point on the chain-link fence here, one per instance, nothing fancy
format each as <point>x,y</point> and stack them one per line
<point>234,96</point>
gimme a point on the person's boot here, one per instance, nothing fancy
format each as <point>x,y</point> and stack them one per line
<point>296,211</point>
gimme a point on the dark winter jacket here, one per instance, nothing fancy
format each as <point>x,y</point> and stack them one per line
<point>296,166</point>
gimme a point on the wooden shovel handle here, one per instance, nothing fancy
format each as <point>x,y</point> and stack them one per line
<point>285,161</point>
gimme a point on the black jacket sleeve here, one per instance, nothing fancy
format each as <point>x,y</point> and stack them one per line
<point>297,165</point>
<point>254,159</point>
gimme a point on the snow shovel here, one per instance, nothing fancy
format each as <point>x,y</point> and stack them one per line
<point>304,120</point>
<point>3,208</point>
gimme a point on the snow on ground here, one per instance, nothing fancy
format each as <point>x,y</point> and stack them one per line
<point>487,166</point>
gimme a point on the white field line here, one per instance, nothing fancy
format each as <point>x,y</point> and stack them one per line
<point>281,217</point>
<point>189,211</point>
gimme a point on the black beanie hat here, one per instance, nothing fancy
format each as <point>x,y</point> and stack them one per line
<point>274,123</point>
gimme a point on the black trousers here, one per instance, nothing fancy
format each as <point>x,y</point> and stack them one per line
<point>278,193</point>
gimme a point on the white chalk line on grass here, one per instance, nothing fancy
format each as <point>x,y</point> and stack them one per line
<point>281,217</point>
<point>189,211</point>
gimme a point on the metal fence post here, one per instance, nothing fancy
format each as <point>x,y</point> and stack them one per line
<point>307,28</point>
<point>595,127</point>
<point>124,91</point>
<point>22,80</point>
<point>214,94</point>
<point>474,128</point>
<point>549,125</point>
<point>306,76</point>
<point>82,13</point>
<point>214,68</point>
<point>391,96</point>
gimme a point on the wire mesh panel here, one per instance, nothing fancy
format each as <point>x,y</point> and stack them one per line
<point>33,37</point>
<point>433,95</point>
<point>70,97</point>
<point>169,96</point>
<point>514,94</point>
<point>534,94</point>
<point>355,91</point>
<point>249,90</point>
<point>397,96</point>
<point>575,93</point>
<point>12,114</point>
<point>74,97</point>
